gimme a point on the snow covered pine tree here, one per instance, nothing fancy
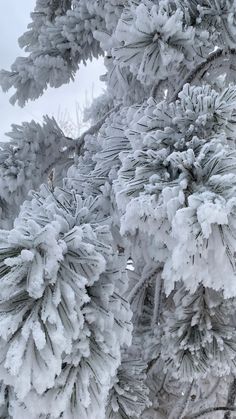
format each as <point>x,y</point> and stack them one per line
<point>118,277</point>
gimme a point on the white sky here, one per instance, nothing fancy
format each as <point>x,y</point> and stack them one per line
<point>13,23</point>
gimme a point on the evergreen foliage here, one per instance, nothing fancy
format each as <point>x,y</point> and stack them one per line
<point>117,249</point>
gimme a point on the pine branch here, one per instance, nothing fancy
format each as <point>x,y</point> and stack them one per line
<point>152,364</point>
<point>157,301</point>
<point>143,280</point>
<point>198,404</point>
<point>181,408</point>
<point>79,142</point>
<point>231,398</point>
<point>210,410</point>
<point>155,89</point>
<point>202,66</point>
<point>95,128</point>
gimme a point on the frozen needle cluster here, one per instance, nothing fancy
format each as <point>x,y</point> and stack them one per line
<point>118,249</point>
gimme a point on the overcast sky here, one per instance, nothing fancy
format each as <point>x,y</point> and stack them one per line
<point>14,17</point>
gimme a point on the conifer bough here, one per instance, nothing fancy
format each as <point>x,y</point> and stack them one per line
<point>117,249</point>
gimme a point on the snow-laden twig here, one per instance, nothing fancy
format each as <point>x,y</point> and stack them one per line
<point>231,398</point>
<point>78,143</point>
<point>210,410</point>
<point>143,280</point>
<point>96,127</point>
<point>202,66</point>
<point>157,301</point>
<point>198,404</point>
<point>180,409</point>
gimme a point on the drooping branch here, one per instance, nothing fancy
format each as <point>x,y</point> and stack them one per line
<point>203,66</point>
<point>210,410</point>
